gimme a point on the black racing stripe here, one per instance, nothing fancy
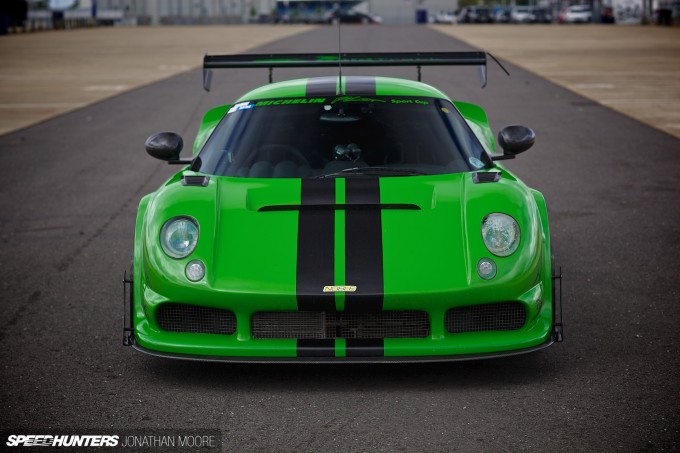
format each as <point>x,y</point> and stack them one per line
<point>363,86</point>
<point>316,247</point>
<point>363,246</point>
<point>316,348</point>
<point>365,347</point>
<point>322,86</point>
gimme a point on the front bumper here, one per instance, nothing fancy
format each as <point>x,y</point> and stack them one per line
<point>328,360</point>
<point>542,329</point>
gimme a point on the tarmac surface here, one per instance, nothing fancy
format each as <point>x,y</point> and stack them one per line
<point>53,72</point>
<point>631,69</point>
<point>68,200</point>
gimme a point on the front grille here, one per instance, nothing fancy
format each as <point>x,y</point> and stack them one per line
<point>195,319</point>
<point>321,325</point>
<point>479,318</point>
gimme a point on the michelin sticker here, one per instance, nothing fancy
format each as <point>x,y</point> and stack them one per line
<point>241,106</point>
<point>291,101</point>
<point>476,162</point>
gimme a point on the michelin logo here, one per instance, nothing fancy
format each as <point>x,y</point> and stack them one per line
<point>38,440</point>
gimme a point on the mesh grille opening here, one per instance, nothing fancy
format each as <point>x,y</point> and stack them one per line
<point>195,319</point>
<point>479,318</point>
<point>323,325</point>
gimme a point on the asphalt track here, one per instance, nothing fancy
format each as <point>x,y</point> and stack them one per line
<point>67,207</point>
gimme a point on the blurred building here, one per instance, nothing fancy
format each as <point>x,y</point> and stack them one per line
<point>143,12</point>
<point>406,11</point>
<point>160,12</point>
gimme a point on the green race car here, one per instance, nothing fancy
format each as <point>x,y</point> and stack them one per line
<point>342,219</point>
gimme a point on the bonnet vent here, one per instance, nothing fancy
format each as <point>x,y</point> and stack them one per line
<point>482,177</point>
<point>188,180</point>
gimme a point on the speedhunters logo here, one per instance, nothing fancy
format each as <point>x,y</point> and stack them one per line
<point>129,440</point>
<point>36,440</point>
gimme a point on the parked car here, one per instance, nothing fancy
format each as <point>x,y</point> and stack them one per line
<point>475,15</point>
<point>350,16</point>
<point>575,14</point>
<point>521,15</point>
<point>542,16</point>
<point>501,15</point>
<point>444,17</point>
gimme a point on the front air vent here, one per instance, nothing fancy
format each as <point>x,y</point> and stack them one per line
<point>195,319</point>
<point>327,325</point>
<point>480,318</point>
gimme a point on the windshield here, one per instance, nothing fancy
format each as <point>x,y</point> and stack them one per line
<point>322,137</point>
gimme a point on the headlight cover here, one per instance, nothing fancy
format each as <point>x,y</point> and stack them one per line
<point>179,237</point>
<point>501,234</point>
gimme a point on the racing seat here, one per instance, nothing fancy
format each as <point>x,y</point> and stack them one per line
<point>276,161</point>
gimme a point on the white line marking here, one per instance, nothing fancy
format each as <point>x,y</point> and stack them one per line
<point>169,67</point>
<point>594,86</point>
<point>105,88</point>
<point>639,101</point>
<point>44,105</point>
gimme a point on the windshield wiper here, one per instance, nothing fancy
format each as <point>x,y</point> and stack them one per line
<point>378,171</point>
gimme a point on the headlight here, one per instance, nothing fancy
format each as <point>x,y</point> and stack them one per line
<point>501,234</point>
<point>179,237</point>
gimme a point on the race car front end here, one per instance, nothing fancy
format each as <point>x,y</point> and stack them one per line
<point>442,267</point>
<point>343,219</point>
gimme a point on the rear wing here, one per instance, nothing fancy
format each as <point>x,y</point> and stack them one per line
<point>318,60</point>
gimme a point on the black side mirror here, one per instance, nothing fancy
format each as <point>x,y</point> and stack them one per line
<point>164,146</point>
<point>515,140</point>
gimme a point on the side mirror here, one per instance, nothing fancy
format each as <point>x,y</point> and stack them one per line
<point>515,140</point>
<point>164,146</point>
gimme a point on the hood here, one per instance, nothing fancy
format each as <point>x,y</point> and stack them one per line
<point>366,237</point>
